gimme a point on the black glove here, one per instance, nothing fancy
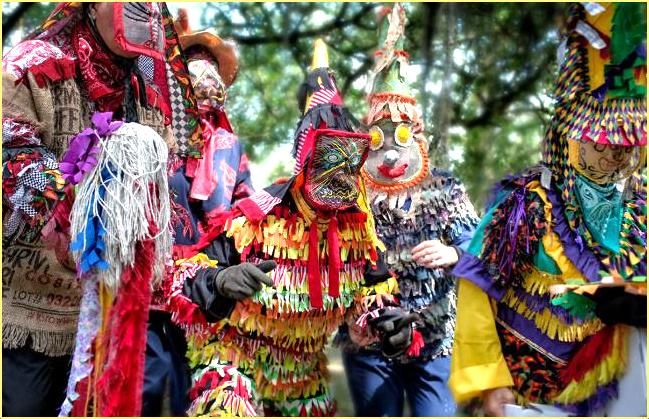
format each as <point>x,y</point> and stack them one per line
<point>243,280</point>
<point>615,306</point>
<point>395,329</point>
<point>217,295</point>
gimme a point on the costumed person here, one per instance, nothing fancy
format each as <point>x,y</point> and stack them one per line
<point>422,215</point>
<point>97,87</point>
<point>260,304</point>
<point>555,278</point>
<point>201,190</point>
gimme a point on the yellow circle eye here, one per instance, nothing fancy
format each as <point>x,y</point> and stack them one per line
<point>403,135</point>
<point>376,138</point>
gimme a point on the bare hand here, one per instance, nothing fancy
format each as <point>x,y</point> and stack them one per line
<point>493,401</point>
<point>434,254</point>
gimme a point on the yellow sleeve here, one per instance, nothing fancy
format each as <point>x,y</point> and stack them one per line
<point>477,363</point>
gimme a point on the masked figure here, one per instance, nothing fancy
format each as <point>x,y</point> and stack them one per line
<point>291,261</point>
<point>554,276</point>
<point>423,216</point>
<point>201,190</point>
<point>90,101</point>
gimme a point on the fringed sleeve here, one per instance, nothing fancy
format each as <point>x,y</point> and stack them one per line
<point>32,184</point>
<point>477,363</point>
<point>193,285</point>
<point>377,292</point>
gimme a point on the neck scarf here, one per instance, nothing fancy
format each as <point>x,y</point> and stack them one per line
<point>601,206</point>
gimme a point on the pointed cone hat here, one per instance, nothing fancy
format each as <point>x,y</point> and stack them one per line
<point>390,95</point>
<point>321,105</point>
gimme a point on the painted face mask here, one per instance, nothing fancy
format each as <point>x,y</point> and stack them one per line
<point>332,175</point>
<point>139,29</point>
<point>604,163</point>
<point>209,88</point>
<point>395,156</point>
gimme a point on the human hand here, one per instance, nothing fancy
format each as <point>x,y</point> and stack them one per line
<point>495,399</point>
<point>434,254</point>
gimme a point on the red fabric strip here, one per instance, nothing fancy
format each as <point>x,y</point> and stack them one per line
<point>315,288</point>
<point>334,258</point>
<point>119,389</point>
<point>590,355</point>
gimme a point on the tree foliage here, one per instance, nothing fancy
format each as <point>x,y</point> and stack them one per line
<point>482,72</point>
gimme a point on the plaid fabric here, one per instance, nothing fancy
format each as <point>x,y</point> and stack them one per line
<point>146,67</point>
<point>179,118</point>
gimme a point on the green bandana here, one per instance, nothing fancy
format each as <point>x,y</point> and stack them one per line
<point>602,208</point>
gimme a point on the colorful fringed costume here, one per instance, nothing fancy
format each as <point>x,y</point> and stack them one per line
<point>412,203</point>
<point>268,349</point>
<point>542,306</point>
<point>68,164</point>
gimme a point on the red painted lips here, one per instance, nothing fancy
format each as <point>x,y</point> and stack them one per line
<point>392,172</point>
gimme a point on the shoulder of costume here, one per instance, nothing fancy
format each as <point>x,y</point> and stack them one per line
<point>507,237</point>
<point>521,182</point>
<point>258,205</point>
<point>46,62</point>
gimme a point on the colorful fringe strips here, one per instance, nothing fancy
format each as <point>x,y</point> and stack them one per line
<point>119,221</point>
<point>557,350</point>
<point>274,341</point>
<point>599,363</point>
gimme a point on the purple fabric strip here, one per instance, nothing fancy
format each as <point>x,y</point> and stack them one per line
<point>595,402</point>
<point>471,267</point>
<point>527,328</point>
<point>573,245</point>
<point>81,156</point>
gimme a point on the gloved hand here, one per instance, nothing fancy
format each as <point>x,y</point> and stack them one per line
<point>243,280</point>
<point>615,305</point>
<point>395,329</point>
<point>231,284</point>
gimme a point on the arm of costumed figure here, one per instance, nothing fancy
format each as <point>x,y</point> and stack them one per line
<point>243,186</point>
<point>477,363</point>
<point>214,306</point>
<point>462,219</point>
<point>376,294</point>
<point>32,184</point>
<point>191,296</point>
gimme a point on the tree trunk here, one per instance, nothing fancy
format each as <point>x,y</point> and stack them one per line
<point>10,21</point>
<point>438,148</point>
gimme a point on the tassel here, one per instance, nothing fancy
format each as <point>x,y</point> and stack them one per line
<point>334,258</point>
<point>315,287</point>
<point>416,345</point>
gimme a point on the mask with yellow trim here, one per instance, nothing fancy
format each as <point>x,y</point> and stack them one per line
<point>398,155</point>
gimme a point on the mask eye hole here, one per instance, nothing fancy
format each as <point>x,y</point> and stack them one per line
<point>403,135</point>
<point>376,138</point>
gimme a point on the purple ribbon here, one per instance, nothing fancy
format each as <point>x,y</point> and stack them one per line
<point>81,156</point>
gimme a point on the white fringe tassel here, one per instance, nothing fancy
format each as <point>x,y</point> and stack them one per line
<point>138,191</point>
